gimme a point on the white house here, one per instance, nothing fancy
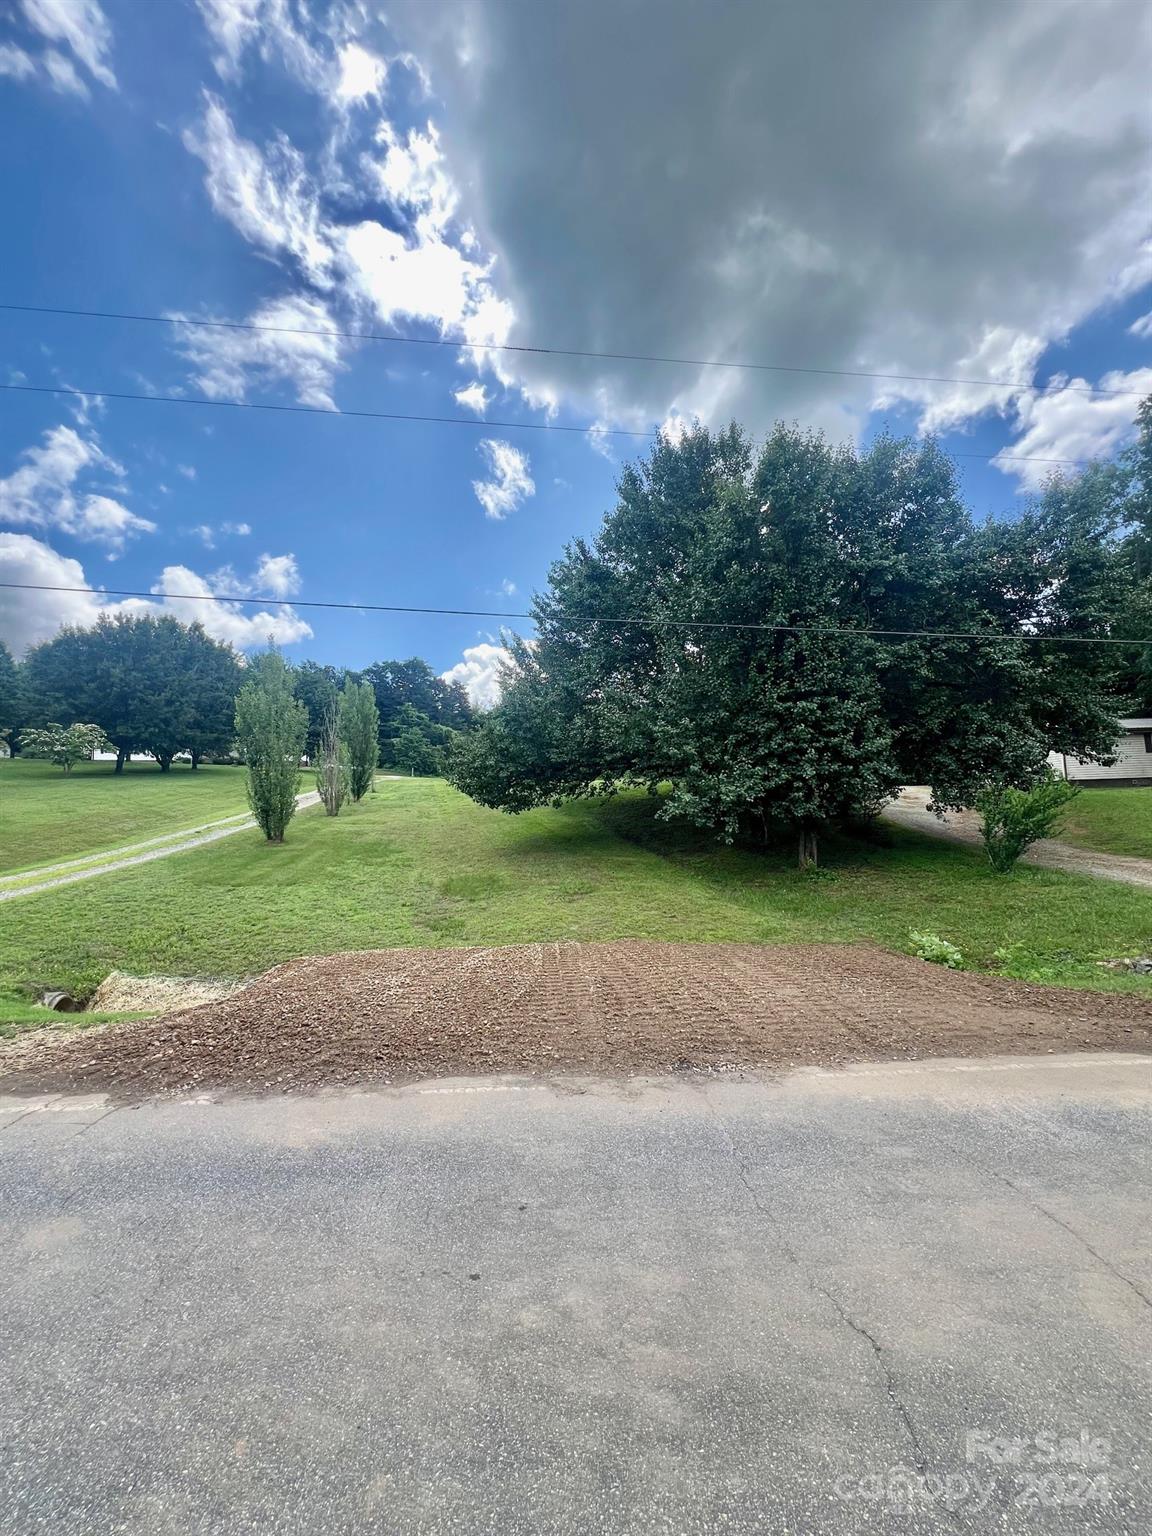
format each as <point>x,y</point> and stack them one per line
<point>1133,765</point>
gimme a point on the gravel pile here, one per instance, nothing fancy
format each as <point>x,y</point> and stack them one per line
<point>391,1015</point>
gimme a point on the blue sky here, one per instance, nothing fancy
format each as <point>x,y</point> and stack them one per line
<point>968,196</point>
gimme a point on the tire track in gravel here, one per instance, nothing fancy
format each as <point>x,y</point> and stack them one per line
<point>211,833</point>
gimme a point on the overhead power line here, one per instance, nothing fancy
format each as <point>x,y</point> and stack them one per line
<point>615,619</point>
<point>462,343</point>
<point>446,421</point>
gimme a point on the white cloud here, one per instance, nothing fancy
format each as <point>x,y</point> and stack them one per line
<point>473,397</point>
<point>425,280</point>
<point>278,575</point>
<point>63,74</point>
<point>26,618</point>
<point>509,483</point>
<point>233,622</point>
<point>1067,423</point>
<point>15,63</point>
<point>187,470</point>
<point>269,26</point>
<point>430,268</point>
<point>997,198</point>
<point>227,362</point>
<point>598,439</point>
<point>1000,354</point>
<point>267,195</point>
<point>508,588</point>
<point>208,533</point>
<point>233,25</point>
<point>480,673</point>
<point>81,27</point>
<point>413,174</point>
<point>674,426</point>
<point>362,74</point>
<point>424,274</point>
<point>1142,327</point>
<point>42,491</point>
<point>104,520</point>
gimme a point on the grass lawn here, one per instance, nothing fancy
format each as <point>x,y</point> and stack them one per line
<point>47,815</point>
<point>1110,821</point>
<point>417,863</point>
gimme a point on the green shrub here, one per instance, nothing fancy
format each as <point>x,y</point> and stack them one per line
<point>1013,819</point>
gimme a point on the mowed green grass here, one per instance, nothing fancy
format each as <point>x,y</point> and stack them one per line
<point>418,864</point>
<point>47,815</point>
<point>1110,821</point>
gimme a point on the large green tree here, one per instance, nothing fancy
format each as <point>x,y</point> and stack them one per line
<point>711,638</point>
<point>212,675</point>
<point>413,683</point>
<point>151,683</point>
<point>318,688</point>
<point>418,744</point>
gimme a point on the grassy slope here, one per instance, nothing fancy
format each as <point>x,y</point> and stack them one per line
<point>47,815</point>
<point>419,864</point>
<point>1110,821</point>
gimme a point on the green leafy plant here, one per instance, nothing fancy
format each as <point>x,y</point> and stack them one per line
<point>1013,819</point>
<point>931,947</point>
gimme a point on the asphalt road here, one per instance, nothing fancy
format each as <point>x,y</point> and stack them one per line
<point>884,1299</point>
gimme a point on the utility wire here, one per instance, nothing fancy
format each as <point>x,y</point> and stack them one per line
<point>320,410</point>
<point>488,613</point>
<point>451,421</point>
<point>611,357</point>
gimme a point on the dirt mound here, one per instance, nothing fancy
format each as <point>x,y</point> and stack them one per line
<point>396,1014</point>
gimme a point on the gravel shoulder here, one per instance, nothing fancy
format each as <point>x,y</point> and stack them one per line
<point>392,1016</point>
<point>910,809</point>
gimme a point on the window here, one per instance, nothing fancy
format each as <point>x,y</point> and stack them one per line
<point>1148,741</point>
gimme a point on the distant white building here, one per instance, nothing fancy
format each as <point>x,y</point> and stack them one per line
<point>137,757</point>
<point>1133,765</point>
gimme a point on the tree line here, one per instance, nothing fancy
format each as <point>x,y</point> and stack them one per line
<point>796,714</point>
<point>158,686</point>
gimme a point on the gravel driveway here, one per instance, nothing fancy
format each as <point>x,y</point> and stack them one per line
<point>910,809</point>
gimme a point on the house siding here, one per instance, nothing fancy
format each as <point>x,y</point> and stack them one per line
<point>1133,763</point>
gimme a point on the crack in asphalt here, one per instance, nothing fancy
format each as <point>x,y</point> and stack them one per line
<point>891,1388</point>
<point>1058,1221</point>
<point>1042,1210</point>
<point>91,1124</point>
<point>34,1109</point>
